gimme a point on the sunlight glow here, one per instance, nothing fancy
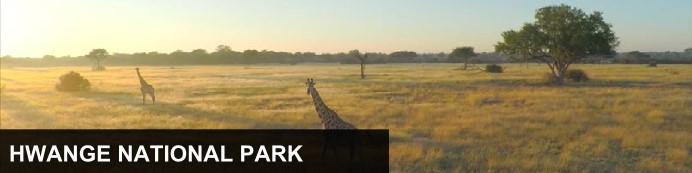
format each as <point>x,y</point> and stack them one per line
<point>15,23</point>
<point>33,28</point>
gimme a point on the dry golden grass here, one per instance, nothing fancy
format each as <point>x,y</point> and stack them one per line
<point>629,117</point>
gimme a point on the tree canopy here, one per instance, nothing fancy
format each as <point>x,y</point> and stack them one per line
<point>223,49</point>
<point>403,56</point>
<point>49,57</point>
<point>98,55</point>
<point>460,54</point>
<point>250,53</point>
<point>560,36</point>
<point>637,57</point>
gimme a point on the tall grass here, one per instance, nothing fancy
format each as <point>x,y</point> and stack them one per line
<point>628,117</point>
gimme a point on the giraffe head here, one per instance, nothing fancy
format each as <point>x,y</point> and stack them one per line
<point>311,85</point>
<point>137,68</point>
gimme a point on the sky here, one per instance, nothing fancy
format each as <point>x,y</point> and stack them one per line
<point>34,28</point>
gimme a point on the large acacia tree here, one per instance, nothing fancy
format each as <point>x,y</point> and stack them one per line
<point>463,53</point>
<point>98,55</point>
<point>560,36</point>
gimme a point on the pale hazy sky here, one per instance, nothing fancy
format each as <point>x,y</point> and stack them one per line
<point>74,27</point>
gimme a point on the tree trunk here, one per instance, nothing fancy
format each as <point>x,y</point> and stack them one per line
<point>560,78</point>
<point>362,71</point>
<point>466,63</point>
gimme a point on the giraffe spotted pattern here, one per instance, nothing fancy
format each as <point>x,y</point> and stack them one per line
<point>146,89</point>
<point>330,119</point>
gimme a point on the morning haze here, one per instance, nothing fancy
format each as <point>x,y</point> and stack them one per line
<point>461,86</point>
<point>31,28</point>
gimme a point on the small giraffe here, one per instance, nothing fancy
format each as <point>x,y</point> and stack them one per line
<point>146,89</point>
<point>330,119</point>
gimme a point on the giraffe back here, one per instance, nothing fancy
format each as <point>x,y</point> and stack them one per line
<point>331,120</point>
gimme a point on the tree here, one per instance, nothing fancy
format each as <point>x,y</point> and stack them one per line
<point>464,53</point>
<point>441,55</point>
<point>403,56</point>
<point>361,58</point>
<point>309,54</point>
<point>98,55</point>
<point>197,56</point>
<point>688,50</point>
<point>560,36</point>
<point>223,54</point>
<point>636,57</point>
<point>199,52</point>
<point>223,49</point>
<point>250,53</point>
<point>49,57</point>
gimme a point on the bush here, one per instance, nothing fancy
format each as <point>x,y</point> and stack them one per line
<point>71,82</point>
<point>577,75</point>
<point>494,68</point>
<point>652,64</point>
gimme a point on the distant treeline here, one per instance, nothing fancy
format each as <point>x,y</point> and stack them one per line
<point>224,55</point>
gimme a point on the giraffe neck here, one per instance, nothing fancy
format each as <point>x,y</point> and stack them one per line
<point>322,109</point>
<point>141,79</point>
<point>317,100</point>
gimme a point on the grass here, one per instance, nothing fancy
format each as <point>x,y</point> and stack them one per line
<point>627,118</point>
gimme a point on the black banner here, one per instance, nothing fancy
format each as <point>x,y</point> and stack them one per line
<point>194,150</point>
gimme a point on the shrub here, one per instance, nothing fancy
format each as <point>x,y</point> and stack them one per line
<point>71,82</point>
<point>652,64</point>
<point>494,68</point>
<point>577,75</point>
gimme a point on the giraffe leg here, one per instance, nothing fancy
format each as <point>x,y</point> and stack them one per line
<point>359,148</point>
<point>324,151</point>
<point>153,98</point>
<point>359,152</point>
<point>334,151</point>
<point>352,150</point>
<point>144,97</point>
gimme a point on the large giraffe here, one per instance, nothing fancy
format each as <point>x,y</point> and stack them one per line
<point>146,89</point>
<point>330,119</point>
<point>338,132</point>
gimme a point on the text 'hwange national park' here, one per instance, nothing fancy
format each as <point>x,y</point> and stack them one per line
<point>153,153</point>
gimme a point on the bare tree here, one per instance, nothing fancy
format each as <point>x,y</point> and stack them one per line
<point>362,58</point>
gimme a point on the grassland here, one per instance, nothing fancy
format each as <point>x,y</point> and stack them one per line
<point>627,118</point>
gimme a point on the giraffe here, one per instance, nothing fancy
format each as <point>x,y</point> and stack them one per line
<point>337,131</point>
<point>146,89</point>
<point>330,119</point>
